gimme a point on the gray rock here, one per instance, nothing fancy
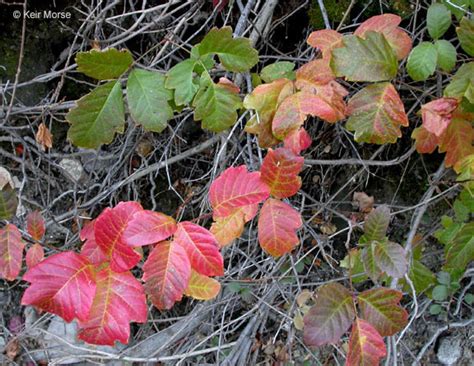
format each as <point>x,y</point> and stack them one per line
<point>450,350</point>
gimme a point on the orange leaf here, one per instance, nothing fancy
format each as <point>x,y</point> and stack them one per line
<point>11,252</point>
<point>297,140</point>
<point>326,40</point>
<point>44,137</point>
<point>457,141</point>
<point>35,225</point>
<point>280,170</point>
<point>277,227</point>
<point>366,346</point>
<point>437,114</point>
<point>201,287</point>
<point>227,229</point>
<point>425,141</point>
<point>316,72</point>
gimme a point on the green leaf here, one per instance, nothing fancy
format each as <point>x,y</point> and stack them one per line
<point>376,114</point>
<point>422,278</point>
<point>278,70</point>
<point>8,202</point>
<point>435,309</point>
<point>180,78</point>
<point>235,54</point>
<point>438,20</point>
<point>148,99</point>
<point>451,228</point>
<point>97,116</point>
<point>356,266</point>
<point>460,252</point>
<point>440,293</point>
<point>469,299</point>
<point>369,59</point>
<point>462,83</point>
<point>465,33</point>
<point>422,61</point>
<point>376,224</point>
<point>446,55</point>
<point>444,278</point>
<point>107,64</point>
<point>391,258</point>
<point>370,264</point>
<point>458,7</point>
<point>461,211</point>
<point>216,104</point>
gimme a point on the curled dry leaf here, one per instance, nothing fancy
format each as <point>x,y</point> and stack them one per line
<point>364,201</point>
<point>44,137</point>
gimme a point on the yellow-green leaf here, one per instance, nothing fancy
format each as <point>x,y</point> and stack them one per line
<point>107,64</point>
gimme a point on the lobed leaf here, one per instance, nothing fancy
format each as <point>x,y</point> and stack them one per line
<point>35,225</point>
<point>277,226</point>
<point>330,317</point>
<point>438,20</point>
<point>201,247</point>
<point>148,227</point>
<point>366,346</point>
<point>316,72</point>
<point>234,188</point>
<point>391,259</point>
<point>166,273</point>
<point>376,224</point>
<point>365,59</point>
<point>148,99</point>
<point>97,116</point>
<point>11,252</point>
<point>106,64</point>
<point>387,24</point>
<point>235,54</point>
<point>436,115</point>
<point>381,308</point>
<point>465,33</point>
<point>279,171</point>
<point>460,252</point>
<point>425,141</point>
<point>422,61</point>
<point>457,140</point>
<point>201,287</point>
<point>326,40</point>
<point>180,79</point>
<point>119,300</point>
<point>63,284</point>
<point>376,114</point>
<point>90,249</point>
<point>227,229</point>
<point>34,255</point>
<point>109,228</point>
<point>278,70</point>
<point>462,83</point>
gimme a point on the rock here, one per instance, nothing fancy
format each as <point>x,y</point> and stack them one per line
<point>73,168</point>
<point>449,350</point>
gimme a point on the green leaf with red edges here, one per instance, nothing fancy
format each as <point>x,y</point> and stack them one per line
<point>148,227</point>
<point>368,260</point>
<point>425,141</point>
<point>326,40</point>
<point>387,24</point>
<point>376,114</point>
<point>119,300</point>
<point>297,140</point>
<point>279,171</point>
<point>201,247</point>
<point>227,229</point>
<point>90,249</point>
<point>366,346</point>
<point>293,111</point>
<point>381,308</point>
<point>436,115</point>
<point>166,273</point>
<point>457,140</point>
<point>277,226</point>
<point>234,188</point>
<point>34,255</point>
<point>391,258</point>
<point>330,317</point>
<point>11,252</point>
<point>376,224</point>
<point>265,99</point>
<point>365,59</point>
<point>109,228</point>
<point>35,225</point>
<point>201,287</point>
<point>63,284</point>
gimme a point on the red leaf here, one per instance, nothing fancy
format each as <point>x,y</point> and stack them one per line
<point>34,255</point>
<point>381,307</point>
<point>201,287</point>
<point>297,140</point>
<point>109,228</point>
<point>277,224</point>
<point>316,72</point>
<point>326,40</point>
<point>219,4</point>
<point>63,284</point>
<point>119,299</point>
<point>11,252</point>
<point>366,346</point>
<point>280,169</point>
<point>457,141</point>
<point>293,111</point>
<point>387,24</point>
<point>234,188</point>
<point>148,227</point>
<point>90,249</point>
<point>35,225</point>
<point>330,317</point>
<point>227,229</point>
<point>437,114</point>
<point>201,247</point>
<point>425,141</point>
<point>166,274</point>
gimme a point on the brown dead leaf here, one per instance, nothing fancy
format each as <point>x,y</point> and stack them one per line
<point>12,348</point>
<point>44,137</point>
<point>303,297</point>
<point>363,201</point>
